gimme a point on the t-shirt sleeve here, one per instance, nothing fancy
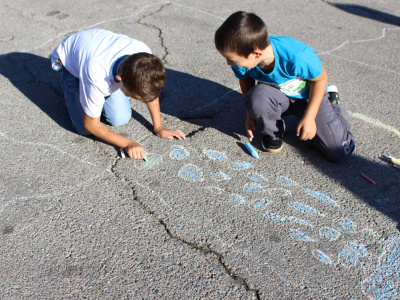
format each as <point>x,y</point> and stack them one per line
<point>240,72</point>
<point>307,64</point>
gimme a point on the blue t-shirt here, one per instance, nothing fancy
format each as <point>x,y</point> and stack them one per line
<point>295,62</point>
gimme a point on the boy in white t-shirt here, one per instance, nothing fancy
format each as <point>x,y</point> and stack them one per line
<point>99,71</point>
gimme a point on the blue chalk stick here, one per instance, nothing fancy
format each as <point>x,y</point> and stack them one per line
<point>250,148</point>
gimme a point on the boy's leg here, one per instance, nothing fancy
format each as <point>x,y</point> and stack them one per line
<point>117,109</point>
<point>333,137</point>
<point>266,104</point>
<point>70,86</point>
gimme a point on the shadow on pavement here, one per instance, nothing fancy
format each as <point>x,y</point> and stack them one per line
<point>369,13</point>
<point>209,104</point>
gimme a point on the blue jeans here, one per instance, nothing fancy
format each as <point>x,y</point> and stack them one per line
<point>116,111</point>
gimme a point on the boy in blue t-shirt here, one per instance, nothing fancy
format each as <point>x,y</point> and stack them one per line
<point>291,80</point>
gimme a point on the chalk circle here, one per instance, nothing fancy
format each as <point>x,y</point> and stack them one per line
<point>241,165</point>
<point>329,233</point>
<point>178,152</point>
<point>253,188</point>
<point>214,155</point>
<point>301,235</point>
<point>219,176</point>
<point>237,199</point>
<point>279,192</point>
<point>351,253</point>
<point>346,226</point>
<point>261,204</point>
<point>153,160</point>
<point>191,172</point>
<point>322,257</point>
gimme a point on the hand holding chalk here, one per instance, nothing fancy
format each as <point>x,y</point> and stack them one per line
<point>250,148</point>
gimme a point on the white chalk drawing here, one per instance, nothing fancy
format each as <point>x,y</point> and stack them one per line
<point>253,187</point>
<point>261,204</point>
<point>286,181</point>
<point>329,233</point>
<point>320,196</point>
<point>301,235</point>
<point>191,172</point>
<point>241,166</point>
<point>322,257</point>
<point>152,161</point>
<point>346,226</point>
<point>178,152</point>
<point>289,219</point>
<point>214,155</point>
<point>384,282</point>
<point>219,176</point>
<point>304,208</point>
<point>237,199</point>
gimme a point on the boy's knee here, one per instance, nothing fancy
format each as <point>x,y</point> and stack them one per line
<point>119,120</point>
<point>342,153</point>
<point>260,100</point>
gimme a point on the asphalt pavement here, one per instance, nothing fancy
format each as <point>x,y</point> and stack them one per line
<point>202,218</point>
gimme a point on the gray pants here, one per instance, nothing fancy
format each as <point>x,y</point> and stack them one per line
<point>267,104</point>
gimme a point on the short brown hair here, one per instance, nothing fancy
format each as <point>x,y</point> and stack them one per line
<point>143,74</point>
<point>242,33</point>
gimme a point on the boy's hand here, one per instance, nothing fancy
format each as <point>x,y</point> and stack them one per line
<point>307,128</point>
<point>251,125</point>
<point>169,134</point>
<point>135,150</point>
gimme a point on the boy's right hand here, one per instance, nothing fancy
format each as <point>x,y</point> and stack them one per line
<point>135,150</point>
<point>251,125</point>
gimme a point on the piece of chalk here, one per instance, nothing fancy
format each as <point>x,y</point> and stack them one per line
<point>397,167</point>
<point>250,148</point>
<point>145,159</point>
<point>394,161</point>
<point>367,178</point>
<point>121,150</point>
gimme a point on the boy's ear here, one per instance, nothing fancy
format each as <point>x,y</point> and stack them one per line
<point>257,53</point>
<point>119,78</point>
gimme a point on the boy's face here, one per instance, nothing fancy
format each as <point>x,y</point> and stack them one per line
<point>232,58</point>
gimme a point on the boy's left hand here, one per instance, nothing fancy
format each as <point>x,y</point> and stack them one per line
<point>170,134</point>
<point>307,128</point>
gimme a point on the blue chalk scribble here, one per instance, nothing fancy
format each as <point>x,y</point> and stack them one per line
<point>322,257</point>
<point>220,176</point>
<point>352,252</point>
<point>300,235</point>
<point>329,233</point>
<point>191,172</point>
<point>215,155</point>
<point>257,177</point>
<point>237,199</point>
<point>253,188</point>
<point>279,218</point>
<point>178,152</point>
<point>384,283</point>
<point>320,196</point>
<point>304,208</point>
<point>346,226</point>
<point>286,181</point>
<point>260,204</point>
<point>241,165</point>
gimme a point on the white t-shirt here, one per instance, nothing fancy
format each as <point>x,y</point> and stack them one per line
<point>90,55</point>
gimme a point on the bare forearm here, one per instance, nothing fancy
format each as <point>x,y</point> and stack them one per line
<point>317,92</point>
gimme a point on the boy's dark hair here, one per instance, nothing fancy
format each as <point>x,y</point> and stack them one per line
<point>242,33</point>
<point>143,75</point>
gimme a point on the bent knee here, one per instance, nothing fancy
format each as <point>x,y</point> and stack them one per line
<point>120,120</point>
<point>342,153</point>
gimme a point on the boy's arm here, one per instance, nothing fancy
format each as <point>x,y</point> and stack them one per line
<point>245,85</point>
<point>155,112</point>
<point>307,127</point>
<point>93,125</point>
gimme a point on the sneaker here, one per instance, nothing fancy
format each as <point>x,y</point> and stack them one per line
<point>270,145</point>
<point>333,94</point>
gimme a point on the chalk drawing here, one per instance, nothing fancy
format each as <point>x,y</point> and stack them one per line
<point>219,176</point>
<point>322,257</point>
<point>215,189</point>
<point>346,226</point>
<point>191,172</point>
<point>214,155</point>
<point>384,283</point>
<point>375,123</point>
<point>241,165</point>
<point>320,196</point>
<point>257,177</point>
<point>237,199</point>
<point>304,208</point>
<point>178,152</point>
<point>329,233</point>
<point>253,188</point>
<point>351,253</point>
<point>291,219</point>
<point>152,161</point>
<point>286,181</point>
<point>301,235</point>
<point>261,204</point>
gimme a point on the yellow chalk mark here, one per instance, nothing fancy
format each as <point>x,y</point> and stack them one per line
<point>375,123</point>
